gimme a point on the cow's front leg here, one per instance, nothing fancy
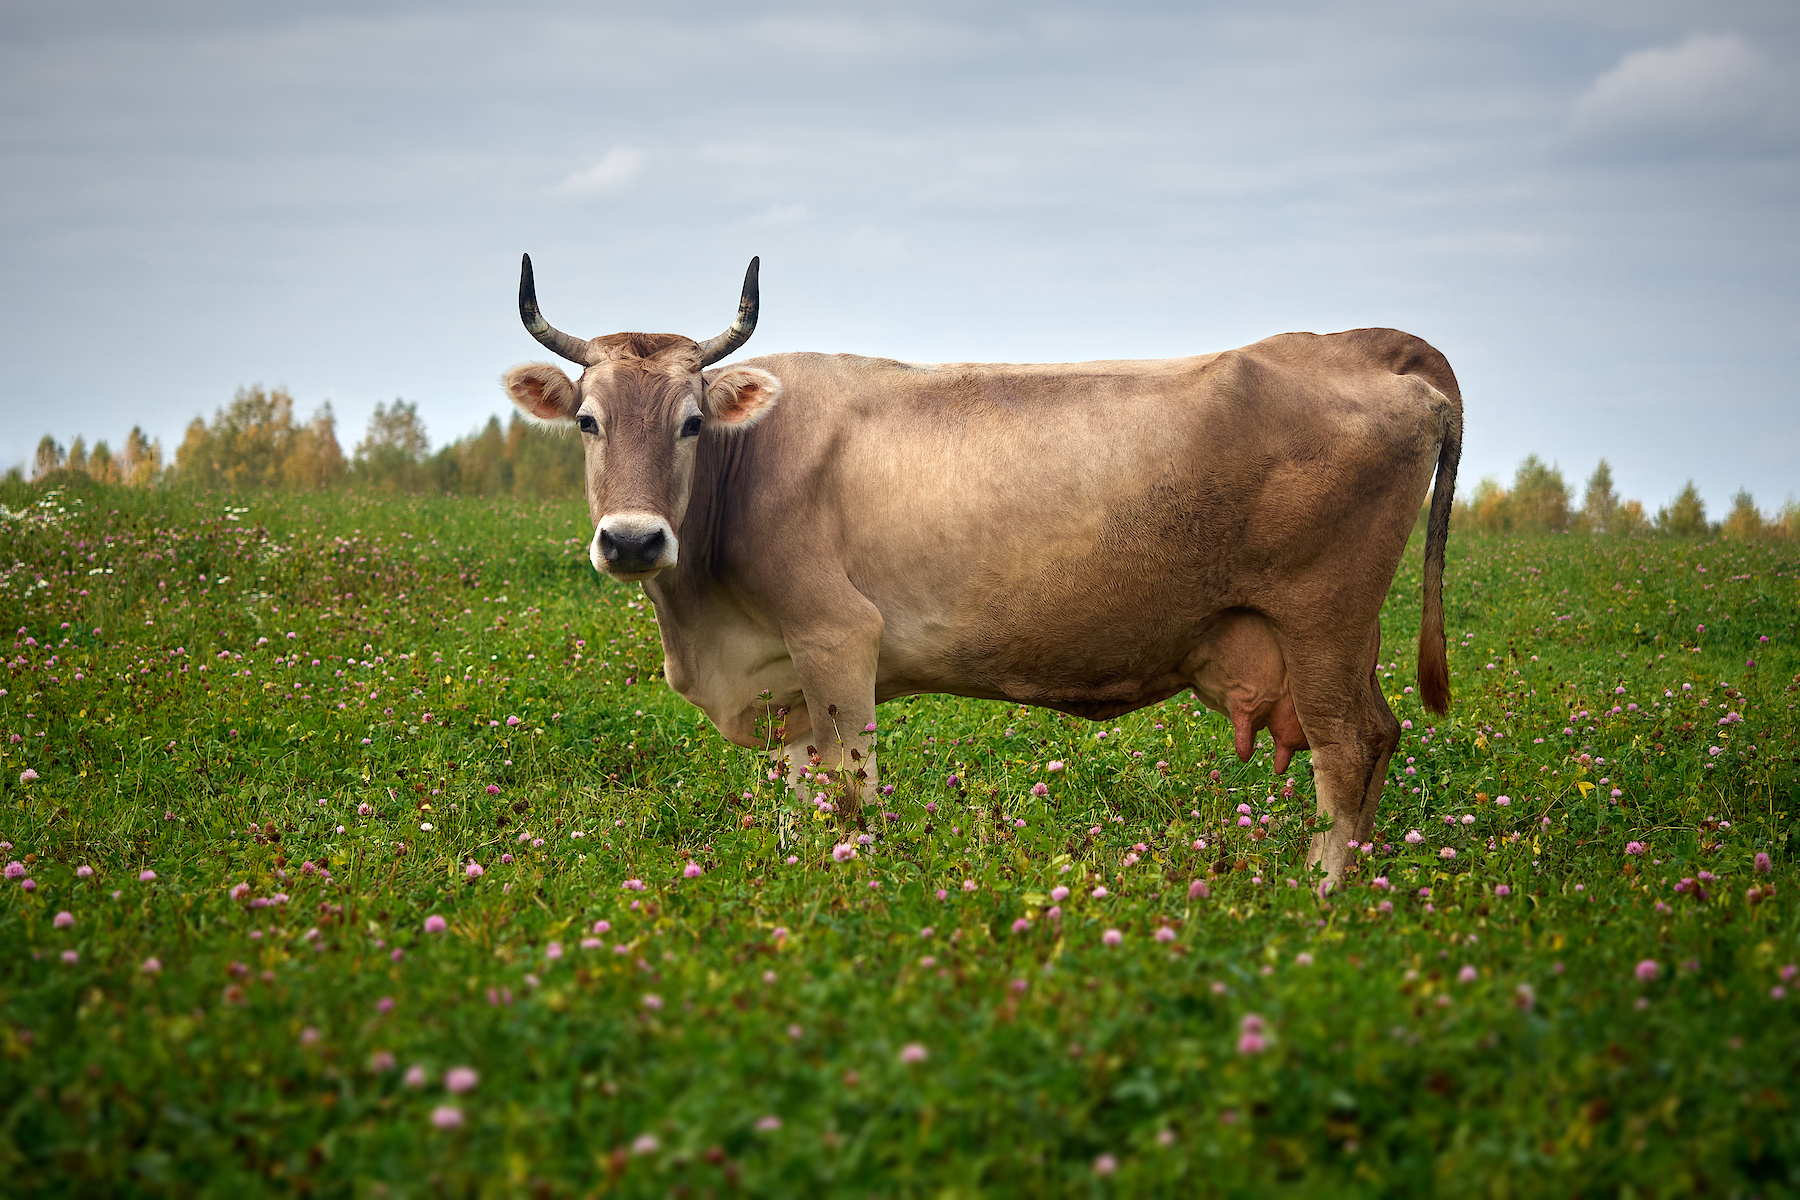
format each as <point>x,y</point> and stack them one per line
<point>835,656</point>
<point>797,759</point>
<point>812,762</point>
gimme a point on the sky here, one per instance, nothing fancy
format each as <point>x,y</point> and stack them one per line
<point>1589,207</point>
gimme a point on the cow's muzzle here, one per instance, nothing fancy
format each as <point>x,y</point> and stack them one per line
<point>633,545</point>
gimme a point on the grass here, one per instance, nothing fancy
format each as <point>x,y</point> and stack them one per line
<point>749,1027</point>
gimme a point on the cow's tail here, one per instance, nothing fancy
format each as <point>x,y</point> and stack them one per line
<point>1434,664</point>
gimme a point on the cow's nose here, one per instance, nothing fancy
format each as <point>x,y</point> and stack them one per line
<point>631,550</point>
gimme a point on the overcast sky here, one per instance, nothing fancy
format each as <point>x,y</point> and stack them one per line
<point>1591,208</point>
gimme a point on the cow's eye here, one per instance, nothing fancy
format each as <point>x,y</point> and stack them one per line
<point>691,426</point>
<point>587,423</point>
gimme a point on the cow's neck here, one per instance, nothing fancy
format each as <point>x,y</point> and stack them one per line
<point>702,533</point>
<point>687,595</point>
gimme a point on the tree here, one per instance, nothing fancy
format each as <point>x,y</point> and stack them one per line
<point>481,462</point>
<point>49,458</point>
<point>1490,507</point>
<point>78,455</point>
<point>1745,524</point>
<point>1685,516</point>
<point>315,460</point>
<point>1600,502</point>
<point>142,461</point>
<point>100,466</point>
<point>252,437</point>
<point>194,463</point>
<point>254,443</point>
<point>1628,519</point>
<point>392,452</point>
<point>1787,522</point>
<point>1540,498</point>
<point>547,464</point>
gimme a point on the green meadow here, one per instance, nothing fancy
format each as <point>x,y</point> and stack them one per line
<point>356,847</point>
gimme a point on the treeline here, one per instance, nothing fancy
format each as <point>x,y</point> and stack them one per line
<point>1541,501</point>
<point>256,443</point>
<point>139,462</point>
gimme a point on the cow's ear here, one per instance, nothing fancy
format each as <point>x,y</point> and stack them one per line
<point>741,396</point>
<point>542,392</point>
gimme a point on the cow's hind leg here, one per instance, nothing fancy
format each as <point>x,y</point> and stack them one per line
<point>1390,731</point>
<point>1352,733</point>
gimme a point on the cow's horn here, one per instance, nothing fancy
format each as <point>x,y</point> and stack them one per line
<point>572,348</point>
<point>713,349</point>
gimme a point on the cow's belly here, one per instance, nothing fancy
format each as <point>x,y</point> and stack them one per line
<point>1084,679</point>
<point>1232,660</point>
<point>1099,659</point>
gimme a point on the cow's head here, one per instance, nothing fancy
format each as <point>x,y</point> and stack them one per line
<point>641,406</point>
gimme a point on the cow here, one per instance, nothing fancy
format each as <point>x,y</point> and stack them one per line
<point>820,533</point>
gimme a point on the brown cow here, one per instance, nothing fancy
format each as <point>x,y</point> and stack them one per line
<point>1090,537</point>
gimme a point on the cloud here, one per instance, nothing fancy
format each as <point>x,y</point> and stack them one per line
<point>621,165</point>
<point>1711,94</point>
<point>872,245</point>
<point>841,39</point>
<point>783,214</point>
<point>1490,244</point>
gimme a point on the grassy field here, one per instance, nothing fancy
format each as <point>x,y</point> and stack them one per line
<point>360,850</point>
